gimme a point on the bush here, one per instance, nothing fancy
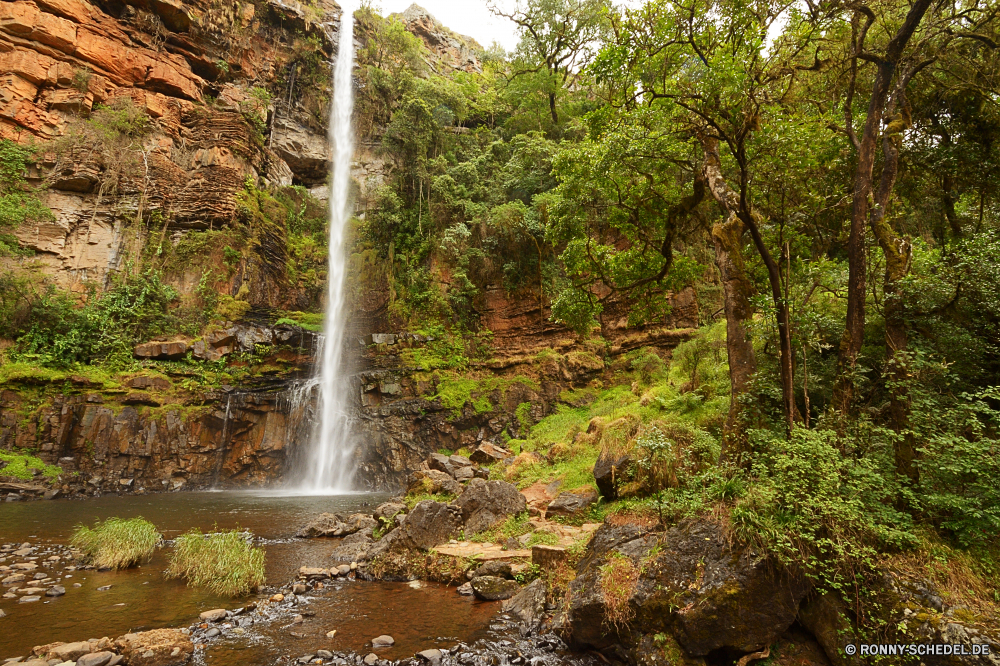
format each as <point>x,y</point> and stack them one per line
<point>117,543</point>
<point>223,562</point>
<point>19,466</point>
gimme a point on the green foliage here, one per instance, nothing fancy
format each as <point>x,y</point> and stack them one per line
<point>117,543</point>
<point>20,466</point>
<point>225,563</point>
<point>19,203</point>
<point>512,527</point>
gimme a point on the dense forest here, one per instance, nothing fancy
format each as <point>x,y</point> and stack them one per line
<point>824,176</point>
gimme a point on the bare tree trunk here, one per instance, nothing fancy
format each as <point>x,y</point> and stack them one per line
<point>552,108</point>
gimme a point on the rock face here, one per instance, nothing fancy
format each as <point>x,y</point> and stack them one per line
<point>528,605</point>
<point>707,595</point>
<point>485,503</point>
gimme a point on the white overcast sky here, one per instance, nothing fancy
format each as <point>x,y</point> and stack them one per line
<point>466,17</point>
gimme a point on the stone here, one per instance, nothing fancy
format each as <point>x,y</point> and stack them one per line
<point>486,454</point>
<point>161,351</point>
<point>159,647</point>
<point>383,641</point>
<point>214,615</point>
<point>13,578</point>
<point>433,481</point>
<point>429,524</point>
<point>432,656</point>
<point>29,599</point>
<point>55,591</point>
<point>492,588</point>
<point>388,511</point>
<point>464,474</point>
<point>147,383</point>
<point>441,463</point>
<point>69,651</point>
<point>331,634</point>
<point>335,525</point>
<point>313,572</point>
<point>25,566</point>
<point>485,503</point>
<point>571,504</point>
<point>353,548</point>
<point>343,569</point>
<point>95,659</point>
<point>547,557</point>
<point>609,471</point>
<point>458,461</point>
<point>2,614</point>
<point>371,658</point>
<point>213,632</point>
<point>325,654</point>
<point>298,588</point>
<point>498,568</point>
<point>528,605</point>
<point>826,617</point>
<point>465,590</point>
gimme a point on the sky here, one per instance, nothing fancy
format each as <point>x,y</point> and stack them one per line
<point>466,17</point>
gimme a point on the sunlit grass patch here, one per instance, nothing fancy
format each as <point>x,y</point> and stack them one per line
<point>19,466</point>
<point>222,562</point>
<point>117,543</point>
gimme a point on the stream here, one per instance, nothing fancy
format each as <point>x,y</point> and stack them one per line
<point>418,615</point>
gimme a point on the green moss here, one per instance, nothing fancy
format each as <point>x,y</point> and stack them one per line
<point>310,321</point>
<point>454,391</point>
<point>19,466</point>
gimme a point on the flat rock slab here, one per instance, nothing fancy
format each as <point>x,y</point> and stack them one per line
<point>484,551</point>
<point>383,641</point>
<point>213,615</point>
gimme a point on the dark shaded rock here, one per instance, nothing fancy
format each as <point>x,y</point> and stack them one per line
<point>488,453</point>
<point>708,594</point>
<point>429,524</point>
<point>485,503</point>
<point>433,481</point>
<point>465,589</point>
<point>55,591</point>
<point>571,504</point>
<point>492,588</point>
<point>528,605</point>
<point>827,619</point>
<point>608,472</point>
<point>388,510</point>
<point>498,568</point>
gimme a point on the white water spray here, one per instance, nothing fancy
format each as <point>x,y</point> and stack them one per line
<point>329,466</point>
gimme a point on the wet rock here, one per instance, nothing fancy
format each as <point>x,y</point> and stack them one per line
<point>498,568</point>
<point>96,659</point>
<point>212,633</point>
<point>432,656</point>
<point>69,651</point>
<point>465,590</point>
<point>29,599</point>
<point>353,548</point>
<point>55,591</point>
<point>486,454</point>
<point>313,572</point>
<point>298,588</point>
<point>383,641</point>
<point>609,471</point>
<point>433,481</point>
<point>343,569</point>
<point>571,504</point>
<point>2,614</point>
<point>429,524</point>
<point>528,605</point>
<point>335,525</point>
<point>492,588</point>
<point>277,598</point>
<point>159,647</point>
<point>485,503</point>
<point>13,578</point>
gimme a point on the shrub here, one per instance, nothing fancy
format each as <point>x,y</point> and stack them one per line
<point>223,562</point>
<point>117,543</point>
<point>20,465</point>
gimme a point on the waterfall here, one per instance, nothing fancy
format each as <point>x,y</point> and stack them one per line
<point>328,465</point>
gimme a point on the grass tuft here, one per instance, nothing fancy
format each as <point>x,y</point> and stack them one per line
<point>117,543</point>
<point>223,562</point>
<point>619,577</point>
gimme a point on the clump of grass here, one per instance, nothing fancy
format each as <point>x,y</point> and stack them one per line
<point>514,526</point>
<point>19,465</point>
<point>619,577</point>
<point>117,543</point>
<point>223,562</point>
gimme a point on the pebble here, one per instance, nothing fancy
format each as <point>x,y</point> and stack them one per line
<point>212,633</point>
<point>28,600</point>
<point>433,656</point>
<point>326,654</point>
<point>55,591</point>
<point>298,589</point>
<point>298,619</point>
<point>277,597</point>
<point>214,615</point>
<point>40,576</point>
<point>383,641</point>
<point>77,584</point>
<point>2,614</point>
<point>331,634</point>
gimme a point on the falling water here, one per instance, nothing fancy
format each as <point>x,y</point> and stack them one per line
<point>329,466</point>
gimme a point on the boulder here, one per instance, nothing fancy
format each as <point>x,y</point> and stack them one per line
<point>712,594</point>
<point>441,463</point>
<point>353,548</point>
<point>457,461</point>
<point>55,591</point>
<point>433,481</point>
<point>215,615</point>
<point>498,568</point>
<point>335,525</point>
<point>826,617</point>
<point>528,605</point>
<point>69,651</point>
<point>383,641</point>
<point>571,504</point>
<point>485,503</point>
<point>486,454</point>
<point>608,472</point>
<point>464,473</point>
<point>159,647</point>
<point>388,510</point>
<point>432,656</point>
<point>429,524</point>
<point>492,588</point>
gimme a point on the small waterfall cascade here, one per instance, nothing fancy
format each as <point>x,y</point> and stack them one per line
<point>328,464</point>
